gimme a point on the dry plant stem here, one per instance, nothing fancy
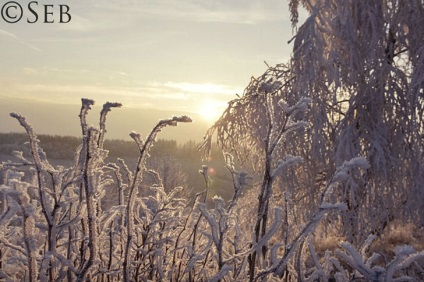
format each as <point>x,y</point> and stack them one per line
<point>270,144</point>
<point>91,206</point>
<point>109,264</point>
<point>70,239</point>
<point>106,108</point>
<point>204,172</point>
<point>144,148</point>
<point>90,145</point>
<point>54,221</point>
<point>28,229</point>
<point>37,161</point>
<point>81,168</point>
<point>40,168</point>
<point>176,246</point>
<point>129,213</point>
<point>279,267</point>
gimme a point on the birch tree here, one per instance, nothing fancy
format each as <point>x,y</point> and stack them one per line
<point>361,65</point>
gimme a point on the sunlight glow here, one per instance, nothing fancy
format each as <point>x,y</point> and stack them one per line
<point>211,110</point>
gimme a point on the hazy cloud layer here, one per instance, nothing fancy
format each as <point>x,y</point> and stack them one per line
<point>161,54</point>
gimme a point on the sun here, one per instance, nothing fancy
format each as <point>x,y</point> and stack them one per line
<point>211,110</point>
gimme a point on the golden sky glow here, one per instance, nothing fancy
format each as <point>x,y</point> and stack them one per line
<point>181,56</point>
<point>211,110</point>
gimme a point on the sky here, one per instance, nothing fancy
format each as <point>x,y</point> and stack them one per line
<point>157,57</point>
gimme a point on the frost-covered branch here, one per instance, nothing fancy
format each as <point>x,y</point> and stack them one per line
<point>144,148</point>
<point>106,108</point>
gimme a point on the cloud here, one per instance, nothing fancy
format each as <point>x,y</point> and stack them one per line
<point>9,35</point>
<point>200,88</point>
<point>171,96</point>
<point>29,71</point>
<point>77,23</point>
<point>112,49</point>
<point>91,15</point>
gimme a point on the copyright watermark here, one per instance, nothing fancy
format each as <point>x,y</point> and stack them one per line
<point>13,12</point>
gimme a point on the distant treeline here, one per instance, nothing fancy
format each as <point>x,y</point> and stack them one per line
<point>64,147</point>
<point>185,156</point>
